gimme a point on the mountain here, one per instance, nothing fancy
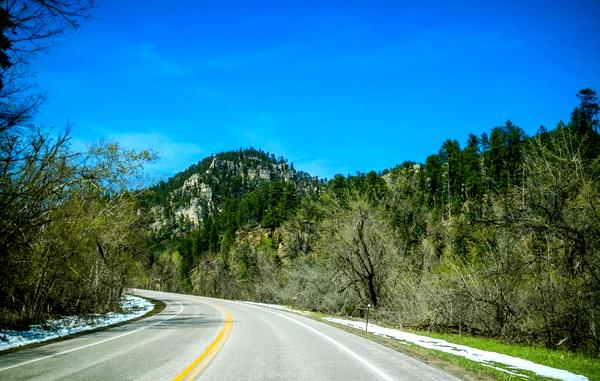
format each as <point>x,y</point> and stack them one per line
<point>183,201</point>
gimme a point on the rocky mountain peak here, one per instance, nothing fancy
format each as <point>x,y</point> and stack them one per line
<point>181,202</point>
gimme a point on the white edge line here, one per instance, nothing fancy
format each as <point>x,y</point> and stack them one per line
<point>93,344</point>
<point>334,342</point>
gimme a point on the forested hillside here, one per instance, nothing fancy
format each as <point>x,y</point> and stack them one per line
<point>499,237</point>
<point>202,208</point>
<point>182,202</point>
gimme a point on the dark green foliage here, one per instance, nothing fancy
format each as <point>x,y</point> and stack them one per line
<point>433,183</point>
<point>584,122</point>
<point>585,116</point>
<point>505,157</point>
<point>451,157</point>
<point>472,165</point>
<point>281,202</point>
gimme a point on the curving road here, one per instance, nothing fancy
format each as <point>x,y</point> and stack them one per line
<point>214,339</point>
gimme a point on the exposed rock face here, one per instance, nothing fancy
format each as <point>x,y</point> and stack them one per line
<point>201,189</point>
<point>158,221</point>
<point>191,213</point>
<point>259,174</point>
<point>255,235</point>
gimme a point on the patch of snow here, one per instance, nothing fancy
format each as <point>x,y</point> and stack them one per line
<point>486,358</point>
<point>274,306</point>
<point>278,307</point>
<point>132,307</point>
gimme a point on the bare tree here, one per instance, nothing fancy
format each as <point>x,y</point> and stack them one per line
<point>29,26</point>
<point>360,243</point>
<point>34,167</point>
<point>26,28</point>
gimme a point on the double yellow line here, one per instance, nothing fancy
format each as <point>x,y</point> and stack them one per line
<point>193,370</point>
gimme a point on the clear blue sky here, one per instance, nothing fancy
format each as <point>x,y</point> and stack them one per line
<point>335,87</point>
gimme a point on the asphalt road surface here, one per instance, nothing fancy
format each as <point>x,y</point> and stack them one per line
<point>214,339</point>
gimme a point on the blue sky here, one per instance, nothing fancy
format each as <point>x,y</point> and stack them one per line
<point>335,87</point>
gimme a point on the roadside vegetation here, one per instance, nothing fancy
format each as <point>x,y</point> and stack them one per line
<point>70,233</point>
<point>498,238</point>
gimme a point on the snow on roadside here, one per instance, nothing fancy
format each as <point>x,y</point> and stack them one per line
<point>274,306</point>
<point>278,307</point>
<point>132,306</point>
<point>491,359</point>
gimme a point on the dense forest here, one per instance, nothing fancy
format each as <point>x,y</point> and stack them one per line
<point>497,238</point>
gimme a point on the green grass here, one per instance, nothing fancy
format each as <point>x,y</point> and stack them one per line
<point>574,362</point>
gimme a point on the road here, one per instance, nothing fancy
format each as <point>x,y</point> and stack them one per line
<point>214,339</point>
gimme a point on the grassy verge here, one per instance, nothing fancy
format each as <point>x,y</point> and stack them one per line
<point>470,370</point>
<point>574,362</point>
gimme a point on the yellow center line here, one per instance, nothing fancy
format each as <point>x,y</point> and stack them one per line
<point>194,369</point>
